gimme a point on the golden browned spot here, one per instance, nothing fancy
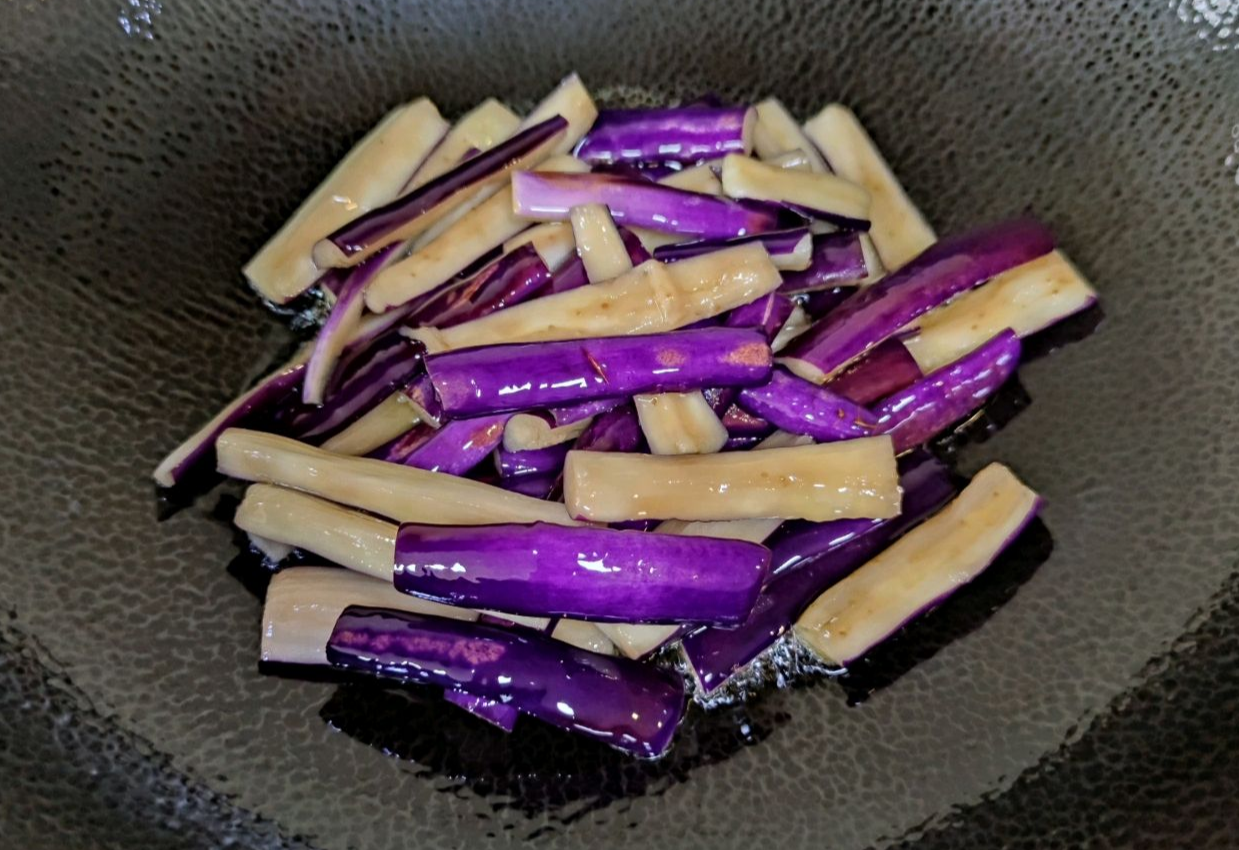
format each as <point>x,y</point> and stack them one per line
<point>750,354</point>
<point>670,357</point>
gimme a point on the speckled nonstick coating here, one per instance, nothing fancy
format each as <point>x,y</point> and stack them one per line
<point>147,150</point>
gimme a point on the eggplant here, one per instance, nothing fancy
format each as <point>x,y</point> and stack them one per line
<point>352,539</point>
<point>253,407</point>
<point>400,492</point>
<point>921,569</point>
<point>509,279</point>
<point>492,711</point>
<point>455,448</point>
<point>500,378</point>
<point>813,195</point>
<point>800,407</point>
<point>899,230</point>
<point>879,372</point>
<point>598,243</point>
<point>923,409</point>
<point>639,203</point>
<point>370,174</point>
<point>542,429</point>
<point>459,246</point>
<point>573,274</point>
<point>676,134</point>
<point>631,706</point>
<point>777,134</point>
<point>539,463</point>
<point>835,259</point>
<point>341,324</point>
<point>359,387</point>
<point>616,431</point>
<point>1026,299</point>
<point>303,604</point>
<point>806,559</point>
<point>479,129</point>
<point>592,574</point>
<point>391,418</point>
<point>679,423</point>
<point>856,478</point>
<point>876,313</point>
<point>649,299</point>
<point>413,213</point>
<point>789,250</point>
<point>767,314</point>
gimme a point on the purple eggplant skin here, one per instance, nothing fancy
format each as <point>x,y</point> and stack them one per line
<point>741,442</point>
<point>617,430</point>
<point>924,409</point>
<point>777,242</point>
<point>253,410</point>
<point>352,289</point>
<point>837,260</point>
<point>597,574</point>
<point>741,423</point>
<point>572,274</point>
<point>453,449</point>
<point>537,486</point>
<point>371,228</point>
<point>391,363</point>
<point>547,196</point>
<point>802,407</point>
<point>521,376</point>
<point>884,370</point>
<point>632,706</point>
<point>492,711</point>
<point>671,134</point>
<point>512,278</point>
<point>557,417</point>
<point>939,273</point>
<point>537,462</point>
<point>767,314</point>
<point>421,392</point>
<point>813,556</point>
<point>651,172</point>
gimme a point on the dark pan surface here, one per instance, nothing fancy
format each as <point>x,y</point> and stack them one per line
<point>146,151</point>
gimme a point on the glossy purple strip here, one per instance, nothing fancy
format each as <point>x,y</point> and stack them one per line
<point>328,344</point>
<point>596,574</point>
<point>632,706</point>
<point>838,548</point>
<point>777,244</point>
<point>492,711</point>
<point>669,134</point>
<point>371,228</point>
<point>523,376</point>
<point>510,279</point>
<point>547,196</point>
<point>801,407</point>
<point>942,271</point>
<point>547,462</point>
<point>837,260</point>
<point>454,449</point>
<point>390,364</point>
<point>617,430</point>
<point>767,314</point>
<point>741,423</point>
<point>925,408</point>
<point>258,404</point>
<point>537,486</point>
<point>880,372</point>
